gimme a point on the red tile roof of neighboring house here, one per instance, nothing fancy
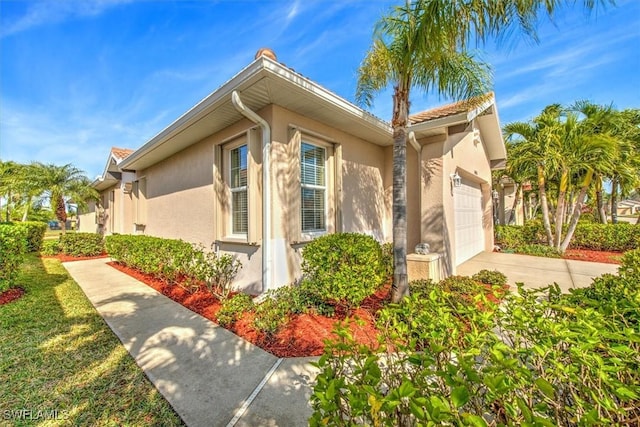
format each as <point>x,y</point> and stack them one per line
<point>449,110</point>
<point>120,153</point>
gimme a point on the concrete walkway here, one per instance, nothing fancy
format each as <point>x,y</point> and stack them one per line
<point>210,376</point>
<point>537,272</point>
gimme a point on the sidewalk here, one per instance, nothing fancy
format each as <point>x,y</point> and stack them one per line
<point>210,376</point>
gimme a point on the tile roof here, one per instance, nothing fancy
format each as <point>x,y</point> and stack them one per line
<point>459,107</point>
<point>120,153</point>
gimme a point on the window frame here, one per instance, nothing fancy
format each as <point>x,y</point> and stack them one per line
<point>312,233</point>
<point>228,149</point>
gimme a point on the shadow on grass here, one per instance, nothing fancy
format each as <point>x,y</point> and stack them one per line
<point>60,361</point>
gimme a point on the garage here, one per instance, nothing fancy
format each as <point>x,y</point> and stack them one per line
<point>469,234</point>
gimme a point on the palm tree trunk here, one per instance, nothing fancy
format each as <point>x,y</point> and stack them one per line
<point>576,212</point>
<point>400,287</point>
<point>61,213</point>
<point>560,210</point>
<point>515,204</point>
<point>7,214</point>
<point>545,206</point>
<point>614,200</point>
<point>26,209</point>
<point>602,214</point>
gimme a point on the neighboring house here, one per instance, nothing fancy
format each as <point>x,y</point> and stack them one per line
<point>509,210</point>
<point>271,160</point>
<point>628,207</point>
<point>112,213</point>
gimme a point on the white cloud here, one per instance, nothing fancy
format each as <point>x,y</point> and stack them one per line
<point>45,12</point>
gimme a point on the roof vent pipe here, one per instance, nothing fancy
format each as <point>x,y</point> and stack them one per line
<point>266,186</point>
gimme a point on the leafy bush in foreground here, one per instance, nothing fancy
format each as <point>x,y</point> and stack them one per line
<point>488,277</point>
<point>13,246</point>
<point>541,358</point>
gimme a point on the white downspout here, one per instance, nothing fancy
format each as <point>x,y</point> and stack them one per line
<point>416,146</point>
<point>266,186</point>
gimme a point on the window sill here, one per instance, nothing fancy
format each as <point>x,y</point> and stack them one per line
<point>237,241</point>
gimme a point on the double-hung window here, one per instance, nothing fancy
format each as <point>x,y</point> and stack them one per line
<point>313,183</point>
<point>238,189</point>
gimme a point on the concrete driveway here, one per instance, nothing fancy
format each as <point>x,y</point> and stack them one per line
<point>537,272</point>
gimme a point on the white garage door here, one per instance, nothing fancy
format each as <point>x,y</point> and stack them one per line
<point>467,205</point>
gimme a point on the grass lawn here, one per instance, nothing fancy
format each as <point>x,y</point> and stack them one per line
<point>58,357</point>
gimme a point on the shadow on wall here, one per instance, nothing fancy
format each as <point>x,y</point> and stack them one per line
<point>437,236</point>
<point>363,204</point>
<point>286,182</point>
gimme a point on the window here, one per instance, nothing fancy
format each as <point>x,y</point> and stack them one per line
<point>238,188</point>
<point>313,188</point>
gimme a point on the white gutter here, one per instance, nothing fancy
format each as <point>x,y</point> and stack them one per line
<point>266,186</point>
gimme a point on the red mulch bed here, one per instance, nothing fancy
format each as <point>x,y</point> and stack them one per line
<point>593,256</point>
<point>11,295</point>
<point>303,335</point>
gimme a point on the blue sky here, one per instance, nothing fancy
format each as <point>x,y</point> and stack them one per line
<point>80,76</point>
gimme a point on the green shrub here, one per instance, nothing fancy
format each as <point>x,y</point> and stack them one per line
<point>630,265</point>
<point>216,270</point>
<point>344,267</point>
<point>35,233</point>
<point>387,261</point>
<point>538,250</point>
<point>13,246</point>
<point>540,359</point>
<point>509,236</point>
<point>50,247</point>
<point>488,277</point>
<point>232,308</point>
<point>271,314</point>
<point>460,284</point>
<point>166,259</point>
<point>606,237</point>
<point>81,244</point>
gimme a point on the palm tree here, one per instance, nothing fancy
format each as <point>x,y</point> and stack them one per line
<point>62,183</point>
<point>534,152</point>
<point>423,44</point>
<point>408,53</point>
<point>625,128</point>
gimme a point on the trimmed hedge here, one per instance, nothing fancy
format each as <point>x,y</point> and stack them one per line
<point>167,259</point>
<point>13,246</point>
<point>345,267</point>
<point>607,237</point>
<point>600,237</point>
<point>81,244</point>
<point>35,233</point>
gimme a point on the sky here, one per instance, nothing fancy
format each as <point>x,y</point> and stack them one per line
<point>80,76</point>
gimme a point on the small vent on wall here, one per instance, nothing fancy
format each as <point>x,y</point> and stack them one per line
<point>126,187</point>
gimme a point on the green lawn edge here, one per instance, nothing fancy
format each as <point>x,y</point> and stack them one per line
<point>60,363</point>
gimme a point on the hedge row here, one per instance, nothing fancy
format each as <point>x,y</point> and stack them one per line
<point>35,233</point>
<point>13,246</point>
<point>166,259</point>
<point>170,260</point>
<point>601,237</point>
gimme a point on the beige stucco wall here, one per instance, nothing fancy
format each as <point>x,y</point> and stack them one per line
<point>442,156</point>
<point>356,186</point>
<point>87,219</point>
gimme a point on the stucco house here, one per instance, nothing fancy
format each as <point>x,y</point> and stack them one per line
<point>271,160</point>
